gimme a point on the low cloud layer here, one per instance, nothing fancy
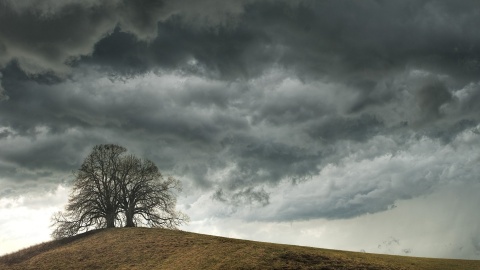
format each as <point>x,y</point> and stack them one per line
<point>268,111</point>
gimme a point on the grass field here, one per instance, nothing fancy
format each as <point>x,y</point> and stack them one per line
<point>143,248</point>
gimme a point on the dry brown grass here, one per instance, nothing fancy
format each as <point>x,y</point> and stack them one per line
<point>142,248</point>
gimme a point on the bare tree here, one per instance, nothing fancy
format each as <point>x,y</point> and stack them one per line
<point>112,189</point>
<point>147,197</point>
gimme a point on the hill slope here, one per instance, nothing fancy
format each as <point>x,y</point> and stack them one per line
<point>142,248</point>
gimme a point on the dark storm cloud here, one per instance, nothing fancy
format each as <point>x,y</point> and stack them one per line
<point>122,51</point>
<point>195,125</point>
<point>265,160</point>
<point>43,42</point>
<point>50,35</point>
<point>61,122</point>
<point>354,42</point>
<point>241,97</point>
<point>3,95</point>
<point>49,154</point>
<point>246,196</point>
<point>359,128</point>
<point>360,45</point>
<point>431,97</point>
<point>4,134</point>
<point>217,51</point>
<point>366,39</point>
<point>357,42</point>
<point>75,104</point>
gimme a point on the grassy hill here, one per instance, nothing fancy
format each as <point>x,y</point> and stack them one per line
<point>143,248</point>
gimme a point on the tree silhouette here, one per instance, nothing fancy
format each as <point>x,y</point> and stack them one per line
<point>143,195</point>
<point>113,189</point>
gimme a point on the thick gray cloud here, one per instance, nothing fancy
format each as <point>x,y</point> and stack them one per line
<point>201,127</point>
<point>357,43</point>
<point>48,36</point>
<point>274,110</point>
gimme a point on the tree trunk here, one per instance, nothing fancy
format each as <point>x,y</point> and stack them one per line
<point>130,222</point>
<point>129,216</point>
<point>110,220</point>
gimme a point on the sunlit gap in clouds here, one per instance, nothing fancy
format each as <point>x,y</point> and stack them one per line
<point>25,219</point>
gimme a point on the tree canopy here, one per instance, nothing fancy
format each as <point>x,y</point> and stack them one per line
<point>113,189</point>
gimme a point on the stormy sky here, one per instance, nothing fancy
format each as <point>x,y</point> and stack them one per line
<point>339,124</point>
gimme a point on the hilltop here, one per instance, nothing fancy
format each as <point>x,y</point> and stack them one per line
<point>143,248</point>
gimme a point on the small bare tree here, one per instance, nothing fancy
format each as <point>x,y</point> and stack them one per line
<point>112,189</point>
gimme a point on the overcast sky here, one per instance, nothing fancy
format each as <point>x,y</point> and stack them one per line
<point>339,124</point>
